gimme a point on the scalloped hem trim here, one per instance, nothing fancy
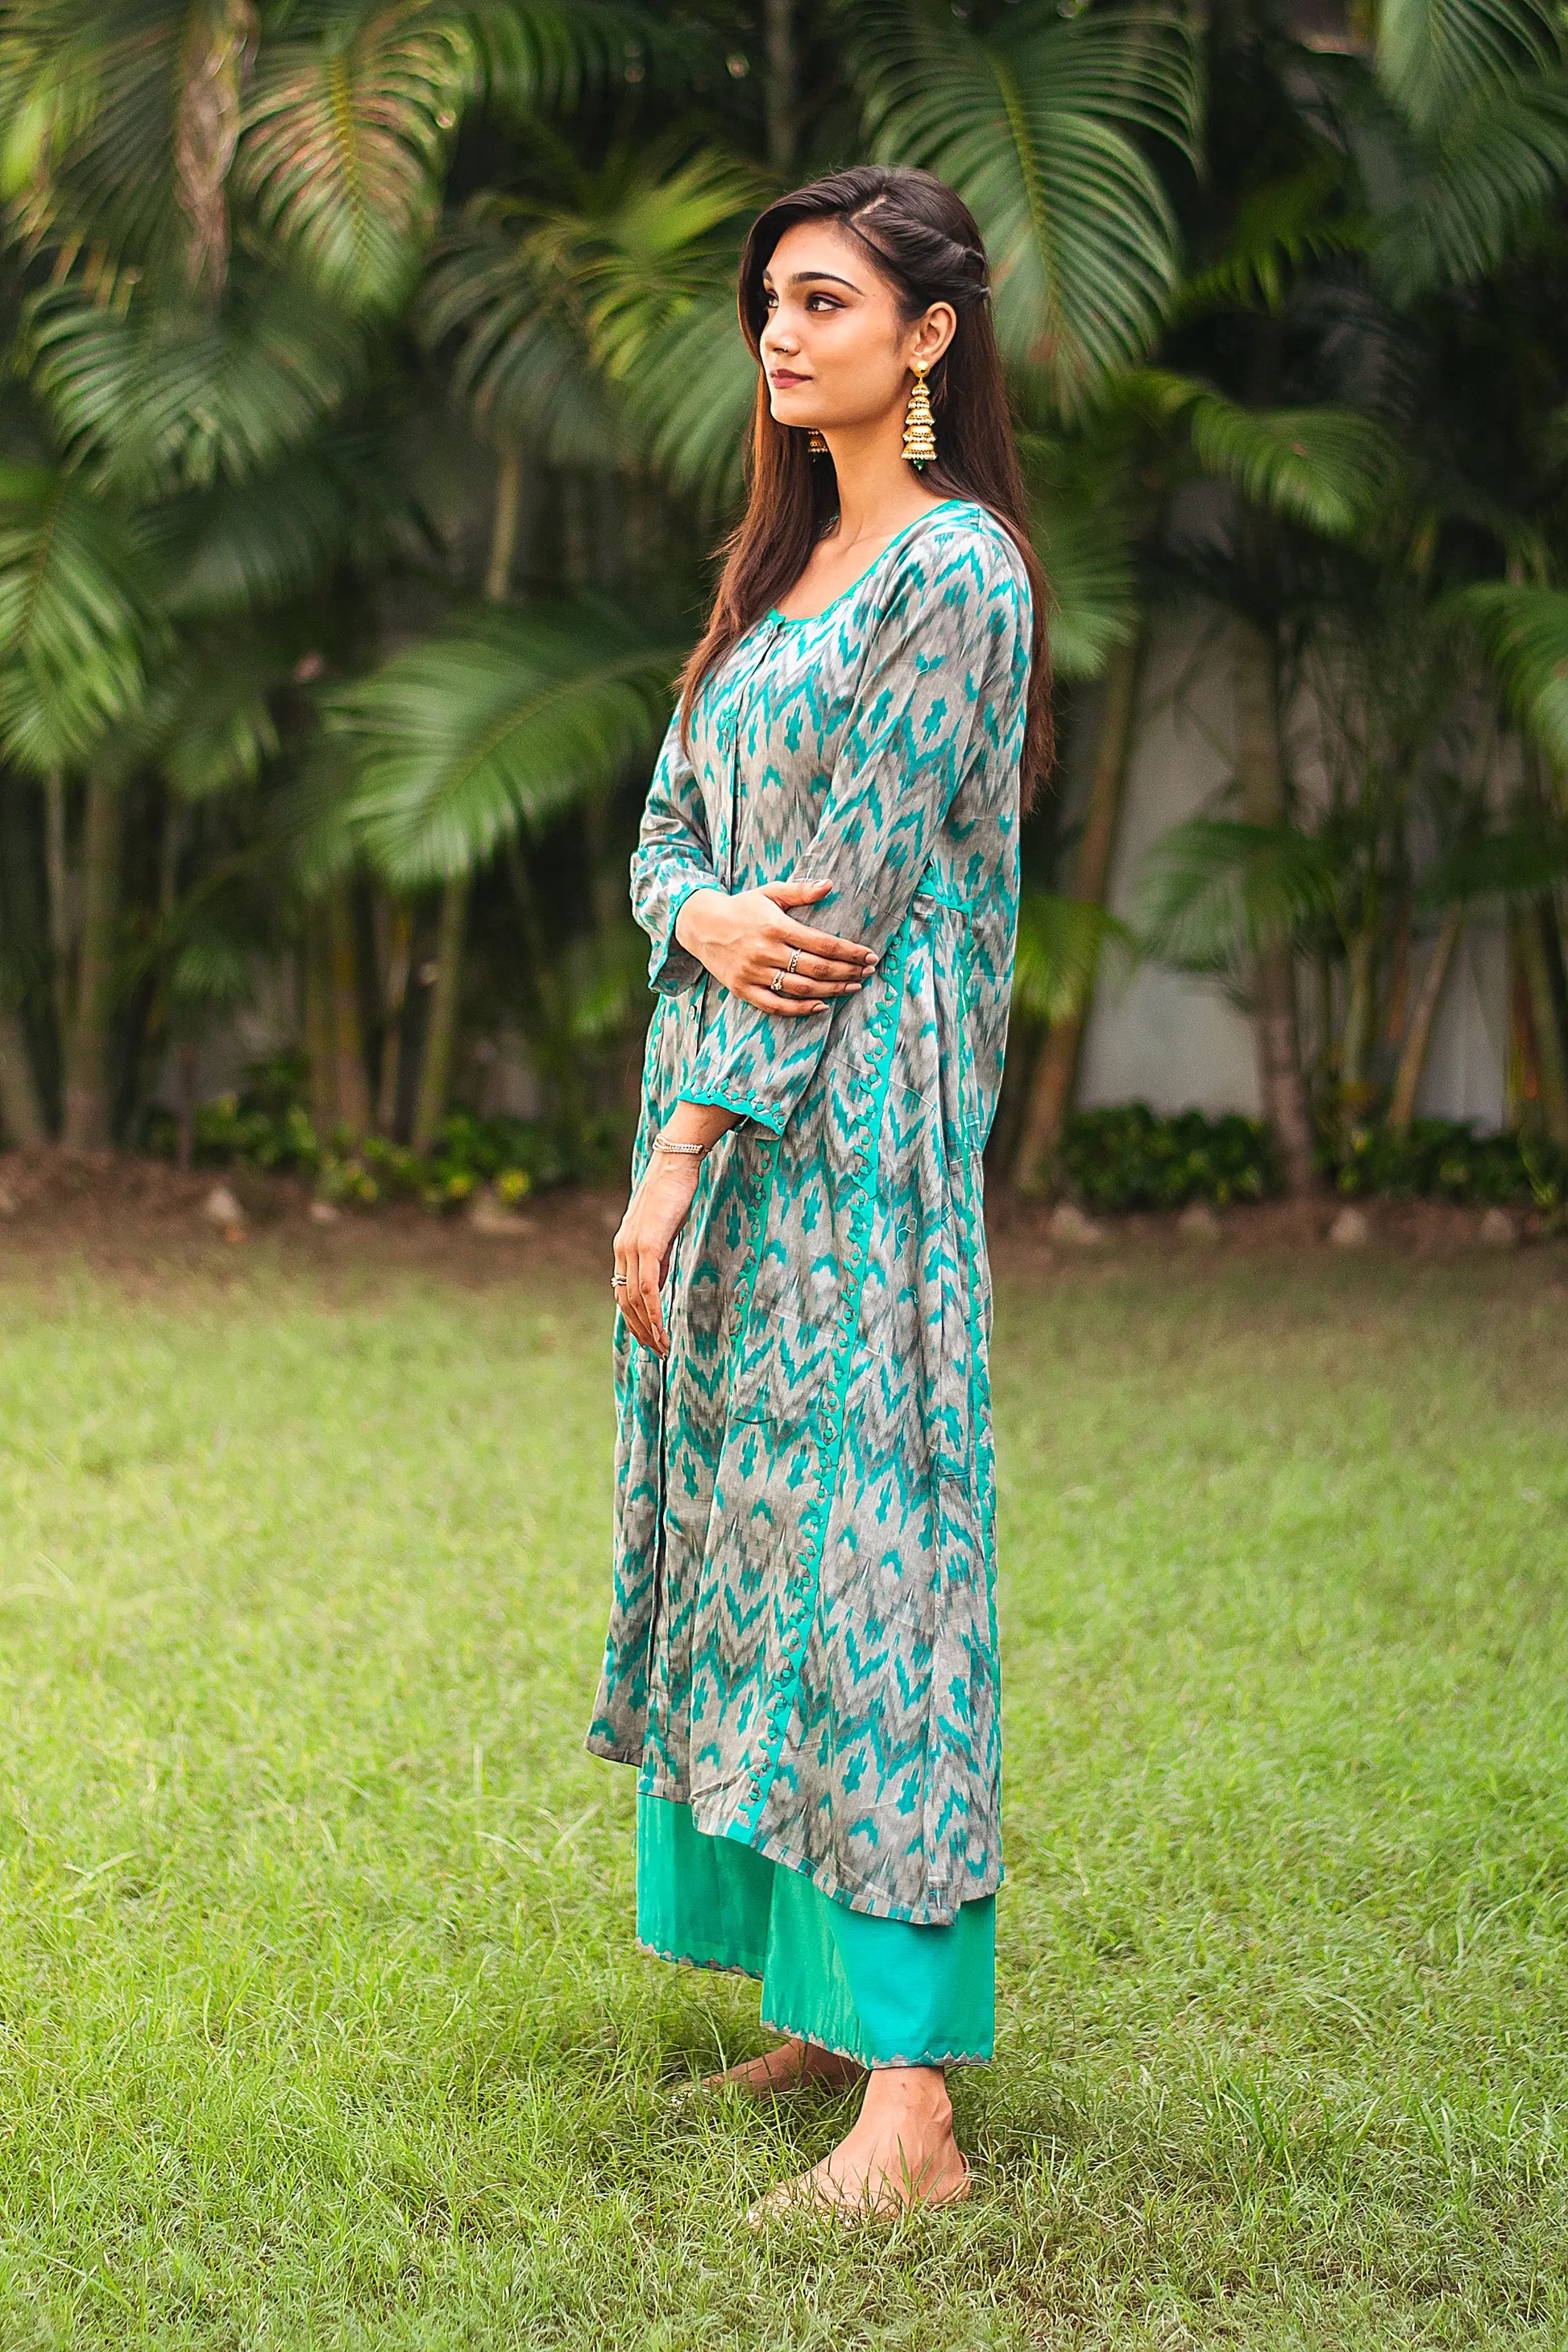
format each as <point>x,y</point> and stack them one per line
<point>780,2025</point>
<point>688,1960</point>
<point>858,2057</point>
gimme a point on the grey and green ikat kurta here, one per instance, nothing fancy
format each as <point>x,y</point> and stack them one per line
<point>803,1638</point>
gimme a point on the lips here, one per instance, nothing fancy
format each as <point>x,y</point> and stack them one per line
<point>781,379</point>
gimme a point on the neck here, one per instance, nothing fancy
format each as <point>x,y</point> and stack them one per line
<point>879,490</point>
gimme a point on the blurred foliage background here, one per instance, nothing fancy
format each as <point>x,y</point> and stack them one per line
<point>373,402</point>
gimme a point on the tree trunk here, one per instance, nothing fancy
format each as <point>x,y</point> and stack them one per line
<point>1422,1016</point>
<point>503,530</point>
<point>441,1029</point>
<point>1355,1049</point>
<point>59,885</point>
<point>320,1044</point>
<point>1056,1073</point>
<point>86,1124</point>
<point>782,95</point>
<point>21,1112</point>
<point>1550,1065</point>
<point>185,1104</point>
<point>399,927</point>
<point>351,1081</point>
<point>1260,767</point>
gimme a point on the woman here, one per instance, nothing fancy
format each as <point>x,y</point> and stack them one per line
<point>802,1653</point>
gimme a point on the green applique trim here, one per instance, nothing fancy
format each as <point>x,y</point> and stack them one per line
<point>757,1225</point>
<point>743,1105</point>
<point>979,1489</point>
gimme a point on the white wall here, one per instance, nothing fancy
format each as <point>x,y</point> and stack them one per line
<point>1176,1043</point>
<point>1164,1037</point>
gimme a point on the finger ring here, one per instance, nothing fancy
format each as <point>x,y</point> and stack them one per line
<point>617,1282</point>
<point>794,958</point>
<point>776,983</point>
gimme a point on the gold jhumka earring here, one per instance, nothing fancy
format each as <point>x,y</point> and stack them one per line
<point>816,444</point>
<point>919,425</point>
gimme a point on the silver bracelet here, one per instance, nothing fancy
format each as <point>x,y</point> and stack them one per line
<point>686,1150</point>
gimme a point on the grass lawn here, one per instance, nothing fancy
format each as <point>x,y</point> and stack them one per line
<point>322,2023</point>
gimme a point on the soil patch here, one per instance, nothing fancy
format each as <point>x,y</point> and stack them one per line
<point>138,1218</point>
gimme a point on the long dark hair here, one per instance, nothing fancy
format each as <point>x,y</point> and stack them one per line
<point>924,242</point>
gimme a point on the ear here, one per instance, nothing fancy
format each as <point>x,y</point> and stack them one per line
<point>934,334</point>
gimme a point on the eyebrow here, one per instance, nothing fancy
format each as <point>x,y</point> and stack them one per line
<point>805,278</point>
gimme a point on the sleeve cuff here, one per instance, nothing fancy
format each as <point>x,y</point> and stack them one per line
<point>744,1106</point>
<point>670,967</point>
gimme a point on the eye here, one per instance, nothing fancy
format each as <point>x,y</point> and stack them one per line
<point>831,301</point>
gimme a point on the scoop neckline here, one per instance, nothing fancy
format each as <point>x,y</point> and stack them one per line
<point>804,620</point>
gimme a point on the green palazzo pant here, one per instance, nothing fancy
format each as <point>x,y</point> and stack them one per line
<point>878,1991</point>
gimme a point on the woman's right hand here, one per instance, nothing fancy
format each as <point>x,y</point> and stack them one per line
<point>745,939</point>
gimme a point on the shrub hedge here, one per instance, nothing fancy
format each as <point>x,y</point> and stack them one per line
<point>1124,1158</point>
<point>267,1127</point>
<point>1129,1158</point>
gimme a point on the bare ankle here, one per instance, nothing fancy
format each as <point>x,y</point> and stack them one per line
<point>920,2091</point>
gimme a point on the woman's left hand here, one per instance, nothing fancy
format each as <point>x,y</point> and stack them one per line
<point>654,1214</point>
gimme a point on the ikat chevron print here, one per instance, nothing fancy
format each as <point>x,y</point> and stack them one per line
<point>802,1639</point>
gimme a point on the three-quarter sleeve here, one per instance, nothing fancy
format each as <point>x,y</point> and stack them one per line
<point>673,858</point>
<point>942,665</point>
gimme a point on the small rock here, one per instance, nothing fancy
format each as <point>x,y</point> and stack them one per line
<point>1068,1224</point>
<point>488,1214</point>
<point>1197,1222</point>
<point>1498,1230</point>
<point>9,1205</point>
<point>221,1208</point>
<point>1352,1229</point>
<point>323,1212</point>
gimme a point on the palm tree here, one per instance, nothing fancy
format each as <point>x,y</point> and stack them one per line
<point>186,401</point>
<point>322,372</point>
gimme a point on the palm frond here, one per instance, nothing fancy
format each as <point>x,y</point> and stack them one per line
<point>89,148</point>
<point>147,399</point>
<point>249,547</point>
<point>1213,892</point>
<point>211,969</point>
<point>690,397</point>
<point>347,126</point>
<point>1328,468</point>
<point>1061,944</point>
<point>209,721</point>
<point>643,262</point>
<point>544,305</point>
<point>1038,124</point>
<point>73,629</point>
<point>1094,582</point>
<point>1433,56</point>
<point>1278,230</point>
<point>1525,635</point>
<point>504,719</point>
<point>1465,200</point>
<point>607,985</point>
<point>516,358</point>
<point>1505,862</point>
<point>1470,145</point>
<point>546,55</point>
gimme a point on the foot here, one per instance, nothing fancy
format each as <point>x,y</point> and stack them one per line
<point>794,2066</point>
<point>901,2152</point>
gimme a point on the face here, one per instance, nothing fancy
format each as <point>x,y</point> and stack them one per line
<point>834,347</point>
